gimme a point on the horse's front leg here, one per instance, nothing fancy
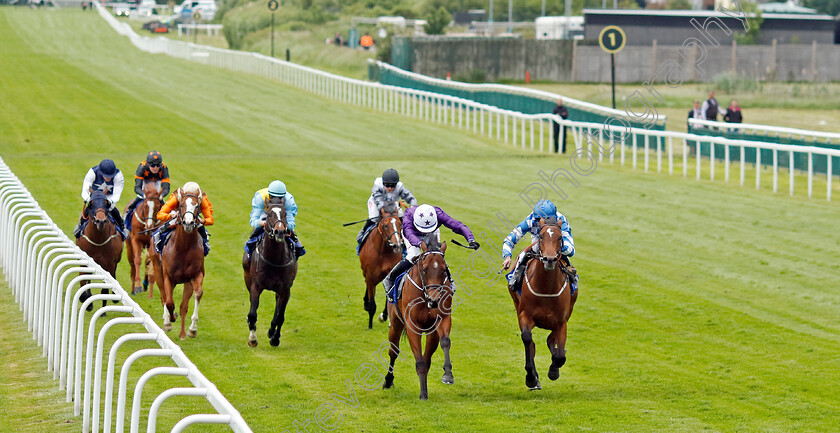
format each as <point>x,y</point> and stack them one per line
<point>557,346</point>
<point>445,344</point>
<point>282,299</point>
<point>168,303</point>
<point>420,364</point>
<point>532,379</point>
<point>199,292</point>
<point>136,256</point>
<point>370,299</point>
<point>394,333</point>
<point>252,316</point>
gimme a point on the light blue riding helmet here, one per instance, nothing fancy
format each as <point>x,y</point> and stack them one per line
<point>277,189</point>
<point>545,209</point>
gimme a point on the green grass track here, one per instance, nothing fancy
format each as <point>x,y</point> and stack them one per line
<point>703,306</point>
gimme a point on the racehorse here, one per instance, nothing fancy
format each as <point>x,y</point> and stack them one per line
<point>380,253</point>
<point>182,261</point>
<point>546,302</point>
<point>272,266</point>
<point>424,308</point>
<point>141,237</point>
<point>100,238</point>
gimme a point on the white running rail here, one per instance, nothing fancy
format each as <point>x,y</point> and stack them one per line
<point>44,269</point>
<point>528,131</point>
<point>769,131</point>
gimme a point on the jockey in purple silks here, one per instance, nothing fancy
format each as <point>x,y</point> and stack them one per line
<point>422,224</point>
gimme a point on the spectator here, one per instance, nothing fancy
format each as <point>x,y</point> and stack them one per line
<point>563,112</point>
<point>696,113</point>
<point>338,40</point>
<point>711,108</point>
<point>733,113</point>
<point>367,41</point>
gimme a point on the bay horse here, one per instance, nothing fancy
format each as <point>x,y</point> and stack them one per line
<point>273,266</point>
<point>182,262</point>
<point>100,238</point>
<point>546,302</point>
<point>424,308</point>
<point>379,254</point>
<point>140,238</point>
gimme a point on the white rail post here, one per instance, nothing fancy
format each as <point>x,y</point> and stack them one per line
<point>775,170</point>
<point>658,154</point>
<point>828,180</point>
<point>685,156</point>
<point>811,173</point>
<point>743,164</point>
<point>726,162</point>
<point>635,150</point>
<point>757,168</point>
<point>790,172</point>
<point>712,160</point>
<point>697,169</point>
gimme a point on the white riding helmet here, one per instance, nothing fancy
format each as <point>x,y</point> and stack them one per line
<point>425,218</point>
<point>191,188</point>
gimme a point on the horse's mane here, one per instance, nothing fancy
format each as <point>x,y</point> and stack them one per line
<point>433,244</point>
<point>551,221</point>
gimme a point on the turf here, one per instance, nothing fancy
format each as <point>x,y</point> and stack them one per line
<point>703,306</point>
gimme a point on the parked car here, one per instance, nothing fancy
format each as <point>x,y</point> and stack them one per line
<point>205,9</point>
<point>122,9</point>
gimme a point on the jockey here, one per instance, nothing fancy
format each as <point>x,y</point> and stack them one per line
<point>169,212</point>
<point>422,224</point>
<point>105,177</point>
<point>543,209</point>
<point>259,204</point>
<point>386,193</point>
<point>152,170</point>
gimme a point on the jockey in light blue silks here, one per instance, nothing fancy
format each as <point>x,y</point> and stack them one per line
<point>542,210</point>
<point>258,214</point>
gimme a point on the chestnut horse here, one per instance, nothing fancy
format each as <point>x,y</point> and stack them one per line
<point>145,218</point>
<point>546,302</point>
<point>424,308</point>
<point>380,253</point>
<point>182,261</point>
<point>273,266</point>
<point>100,239</point>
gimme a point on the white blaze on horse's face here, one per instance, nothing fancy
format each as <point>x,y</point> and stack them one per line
<point>279,217</point>
<point>191,204</point>
<point>150,218</point>
<point>550,233</point>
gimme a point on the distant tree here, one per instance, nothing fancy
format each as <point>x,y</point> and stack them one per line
<point>678,4</point>
<point>830,7</point>
<point>437,21</point>
<point>750,36</point>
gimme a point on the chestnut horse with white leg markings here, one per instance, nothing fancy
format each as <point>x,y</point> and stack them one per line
<point>273,266</point>
<point>100,238</point>
<point>144,220</point>
<point>379,254</point>
<point>546,302</point>
<point>182,261</point>
<point>425,308</point>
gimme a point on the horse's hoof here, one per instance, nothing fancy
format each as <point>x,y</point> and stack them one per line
<point>382,317</point>
<point>424,397</point>
<point>274,342</point>
<point>191,333</point>
<point>89,307</point>
<point>182,337</point>
<point>536,387</point>
<point>553,373</point>
<point>448,379</point>
<point>532,382</point>
<point>253,343</point>
<point>167,327</point>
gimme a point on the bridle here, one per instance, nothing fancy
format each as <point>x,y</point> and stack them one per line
<point>277,209</point>
<point>149,221</point>
<point>194,212</point>
<point>93,209</point>
<point>545,260</point>
<point>423,287</point>
<point>398,244</point>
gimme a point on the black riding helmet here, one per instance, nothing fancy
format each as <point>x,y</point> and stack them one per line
<point>390,177</point>
<point>154,158</point>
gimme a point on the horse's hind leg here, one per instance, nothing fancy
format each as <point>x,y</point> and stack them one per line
<point>557,345</point>
<point>184,308</point>
<point>394,332</point>
<point>370,300</point>
<point>279,317</point>
<point>532,379</point>
<point>252,317</point>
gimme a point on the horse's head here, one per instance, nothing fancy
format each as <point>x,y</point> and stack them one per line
<point>151,190</point>
<point>97,209</point>
<point>146,212</point>
<point>550,242</point>
<point>390,228</point>
<point>189,209</point>
<point>276,227</point>
<point>434,275</point>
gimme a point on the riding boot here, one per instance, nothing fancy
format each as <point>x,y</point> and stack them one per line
<point>115,214</point>
<point>571,271</point>
<point>515,284</point>
<point>77,231</point>
<point>362,232</point>
<point>129,212</point>
<point>299,249</point>
<point>401,267</point>
<point>205,239</point>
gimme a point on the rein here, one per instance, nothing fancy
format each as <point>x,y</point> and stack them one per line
<point>98,244</point>
<point>388,238</point>
<point>271,233</point>
<point>423,287</point>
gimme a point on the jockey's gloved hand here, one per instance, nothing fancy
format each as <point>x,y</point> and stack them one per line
<point>474,245</point>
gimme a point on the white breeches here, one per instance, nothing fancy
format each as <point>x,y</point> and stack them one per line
<point>413,252</point>
<point>373,211</point>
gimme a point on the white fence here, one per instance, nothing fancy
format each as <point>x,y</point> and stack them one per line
<point>42,267</point>
<point>771,132</point>
<point>521,130</point>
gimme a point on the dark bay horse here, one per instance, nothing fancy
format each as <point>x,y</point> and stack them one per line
<point>182,262</point>
<point>380,253</point>
<point>144,220</point>
<point>273,266</point>
<point>100,238</point>
<point>425,308</point>
<point>546,302</point>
